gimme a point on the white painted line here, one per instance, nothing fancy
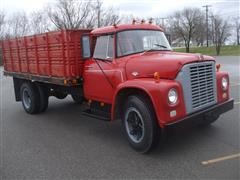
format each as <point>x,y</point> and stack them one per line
<point>221,159</point>
<point>237,102</point>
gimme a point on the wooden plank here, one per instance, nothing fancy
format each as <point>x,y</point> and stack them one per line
<point>48,56</point>
<point>76,40</point>
<point>11,57</point>
<point>26,52</point>
<point>19,59</point>
<point>36,53</point>
<point>63,53</point>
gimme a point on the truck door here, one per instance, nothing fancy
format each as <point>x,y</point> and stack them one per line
<point>99,71</point>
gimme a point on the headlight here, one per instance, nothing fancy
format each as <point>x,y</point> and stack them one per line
<point>224,83</point>
<point>172,96</point>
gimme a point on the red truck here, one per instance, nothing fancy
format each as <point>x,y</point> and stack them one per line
<point>126,72</point>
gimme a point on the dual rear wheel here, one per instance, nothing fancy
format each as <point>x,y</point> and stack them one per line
<point>34,97</point>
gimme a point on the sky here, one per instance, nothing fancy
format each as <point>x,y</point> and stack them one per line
<point>139,8</point>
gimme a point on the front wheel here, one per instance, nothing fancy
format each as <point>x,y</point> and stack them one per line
<point>139,124</point>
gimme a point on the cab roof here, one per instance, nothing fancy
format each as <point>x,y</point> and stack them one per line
<point>123,27</point>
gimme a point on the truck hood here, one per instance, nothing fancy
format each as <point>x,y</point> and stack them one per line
<point>167,63</point>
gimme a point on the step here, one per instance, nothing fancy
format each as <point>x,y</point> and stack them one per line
<point>97,115</point>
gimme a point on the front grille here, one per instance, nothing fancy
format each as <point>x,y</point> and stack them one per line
<point>201,76</point>
<point>199,85</point>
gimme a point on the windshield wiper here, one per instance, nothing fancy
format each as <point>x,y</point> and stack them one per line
<point>159,45</point>
<point>153,49</point>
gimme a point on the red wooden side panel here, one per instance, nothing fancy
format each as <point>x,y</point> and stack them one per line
<point>55,54</point>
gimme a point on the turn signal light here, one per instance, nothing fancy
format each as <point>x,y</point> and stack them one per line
<point>218,67</point>
<point>134,21</point>
<point>74,81</point>
<point>156,76</point>
<point>89,101</point>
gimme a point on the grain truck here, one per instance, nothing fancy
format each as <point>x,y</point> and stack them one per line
<point>124,72</point>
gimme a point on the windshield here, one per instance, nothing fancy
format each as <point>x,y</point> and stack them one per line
<point>135,41</point>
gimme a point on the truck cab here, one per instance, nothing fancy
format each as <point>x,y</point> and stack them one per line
<point>131,73</point>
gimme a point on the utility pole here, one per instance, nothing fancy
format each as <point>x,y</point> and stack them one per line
<point>163,21</point>
<point>99,4</point>
<point>207,6</point>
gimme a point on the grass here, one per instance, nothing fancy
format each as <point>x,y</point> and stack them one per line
<point>225,50</point>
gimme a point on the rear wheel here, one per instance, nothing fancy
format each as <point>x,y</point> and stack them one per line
<point>77,98</point>
<point>139,124</point>
<point>30,97</point>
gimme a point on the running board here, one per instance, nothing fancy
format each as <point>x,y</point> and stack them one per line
<point>97,115</point>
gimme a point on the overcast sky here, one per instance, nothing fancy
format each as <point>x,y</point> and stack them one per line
<point>140,8</point>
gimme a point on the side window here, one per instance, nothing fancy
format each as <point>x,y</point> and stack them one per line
<point>86,47</point>
<point>104,47</point>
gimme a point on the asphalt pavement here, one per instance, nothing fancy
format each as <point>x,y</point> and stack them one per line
<point>63,144</point>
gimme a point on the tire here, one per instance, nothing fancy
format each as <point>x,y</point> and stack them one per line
<point>60,95</point>
<point>30,97</point>
<point>44,96</point>
<point>77,98</point>
<point>140,125</point>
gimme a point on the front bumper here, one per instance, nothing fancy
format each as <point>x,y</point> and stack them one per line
<point>197,117</point>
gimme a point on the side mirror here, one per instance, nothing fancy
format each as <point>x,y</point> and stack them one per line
<point>86,47</point>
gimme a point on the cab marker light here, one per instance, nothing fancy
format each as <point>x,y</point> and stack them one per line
<point>218,67</point>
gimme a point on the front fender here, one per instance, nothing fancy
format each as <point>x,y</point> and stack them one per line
<point>157,92</point>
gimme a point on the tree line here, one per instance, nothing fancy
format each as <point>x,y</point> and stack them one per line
<point>186,27</point>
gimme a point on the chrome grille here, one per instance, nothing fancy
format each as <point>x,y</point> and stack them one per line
<point>199,85</point>
<point>201,79</point>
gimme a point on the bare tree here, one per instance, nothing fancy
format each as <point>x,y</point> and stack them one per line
<point>184,25</point>
<point>236,26</point>
<point>162,22</point>
<point>2,23</point>
<point>17,25</point>
<point>69,14</point>
<point>128,18</point>
<point>105,17</point>
<point>200,31</point>
<point>39,22</point>
<point>220,32</point>
<point>110,16</point>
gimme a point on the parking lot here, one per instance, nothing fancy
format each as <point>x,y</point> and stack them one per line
<point>63,144</point>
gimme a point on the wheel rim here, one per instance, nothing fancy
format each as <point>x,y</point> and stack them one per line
<point>134,125</point>
<point>26,99</point>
